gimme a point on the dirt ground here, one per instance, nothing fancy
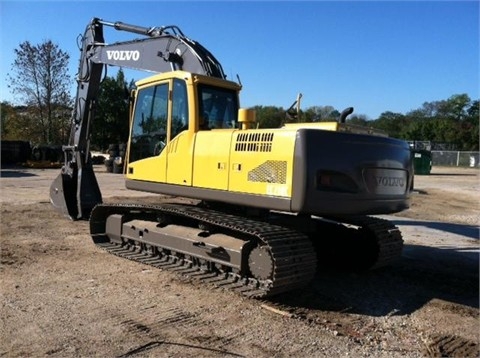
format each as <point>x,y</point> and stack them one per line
<point>61,296</point>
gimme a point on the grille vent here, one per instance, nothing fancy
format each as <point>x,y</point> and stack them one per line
<point>254,142</point>
<point>272,171</point>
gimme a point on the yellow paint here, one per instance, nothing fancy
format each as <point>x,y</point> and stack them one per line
<point>243,162</point>
<point>211,163</point>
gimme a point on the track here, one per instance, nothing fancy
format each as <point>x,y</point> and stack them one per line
<point>378,243</point>
<point>271,258</point>
<point>352,243</point>
<point>287,258</point>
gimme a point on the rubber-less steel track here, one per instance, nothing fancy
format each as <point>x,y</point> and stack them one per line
<point>292,254</point>
<point>385,236</point>
<point>352,243</point>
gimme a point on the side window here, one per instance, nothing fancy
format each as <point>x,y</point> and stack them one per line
<point>149,128</point>
<point>179,107</point>
<point>218,107</point>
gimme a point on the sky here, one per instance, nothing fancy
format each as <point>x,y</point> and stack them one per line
<point>375,56</point>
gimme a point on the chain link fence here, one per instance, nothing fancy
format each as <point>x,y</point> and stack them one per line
<point>455,158</point>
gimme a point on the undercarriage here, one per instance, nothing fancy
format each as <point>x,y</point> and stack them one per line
<point>257,258</point>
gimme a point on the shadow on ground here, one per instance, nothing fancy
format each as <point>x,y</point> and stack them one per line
<point>424,273</point>
<point>468,231</point>
<point>453,174</point>
<point>6,173</point>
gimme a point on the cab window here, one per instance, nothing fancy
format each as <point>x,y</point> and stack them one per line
<point>179,107</point>
<point>149,129</point>
<point>218,107</point>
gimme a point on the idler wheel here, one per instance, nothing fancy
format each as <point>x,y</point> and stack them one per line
<point>260,263</point>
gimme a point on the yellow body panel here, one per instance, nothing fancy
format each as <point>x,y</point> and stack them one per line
<point>262,162</point>
<point>151,169</point>
<point>173,165</point>
<point>214,160</point>
<point>327,126</point>
<point>180,159</point>
<point>211,163</point>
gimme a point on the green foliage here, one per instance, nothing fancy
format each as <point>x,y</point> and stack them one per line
<point>390,122</point>
<point>275,117</point>
<point>359,120</point>
<point>39,78</point>
<point>320,114</point>
<point>270,116</point>
<point>12,126</point>
<point>453,121</point>
<point>111,125</point>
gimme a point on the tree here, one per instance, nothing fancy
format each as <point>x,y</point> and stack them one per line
<point>270,116</point>
<point>392,123</point>
<point>453,121</point>
<point>111,122</point>
<point>40,78</point>
<point>470,127</point>
<point>321,114</point>
<point>12,126</point>
<point>358,119</point>
<point>455,107</point>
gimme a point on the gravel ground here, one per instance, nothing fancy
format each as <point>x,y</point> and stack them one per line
<point>61,296</point>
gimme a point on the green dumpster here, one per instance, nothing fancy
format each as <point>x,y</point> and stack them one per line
<point>422,161</point>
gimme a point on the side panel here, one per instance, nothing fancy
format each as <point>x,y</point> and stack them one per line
<point>211,159</point>
<point>258,201</point>
<point>151,169</point>
<point>261,162</point>
<point>180,159</point>
<point>173,165</point>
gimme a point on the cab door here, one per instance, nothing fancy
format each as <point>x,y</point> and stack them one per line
<point>179,149</point>
<point>148,134</point>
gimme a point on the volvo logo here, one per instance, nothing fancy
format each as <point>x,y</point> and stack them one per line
<point>123,55</point>
<point>389,181</point>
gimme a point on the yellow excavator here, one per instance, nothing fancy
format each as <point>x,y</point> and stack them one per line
<point>272,203</point>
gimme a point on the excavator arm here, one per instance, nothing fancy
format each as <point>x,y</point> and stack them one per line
<point>75,191</point>
<point>165,49</point>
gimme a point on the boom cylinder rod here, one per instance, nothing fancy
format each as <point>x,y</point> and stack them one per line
<point>147,31</point>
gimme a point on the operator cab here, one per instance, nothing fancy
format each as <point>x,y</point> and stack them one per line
<point>169,104</point>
